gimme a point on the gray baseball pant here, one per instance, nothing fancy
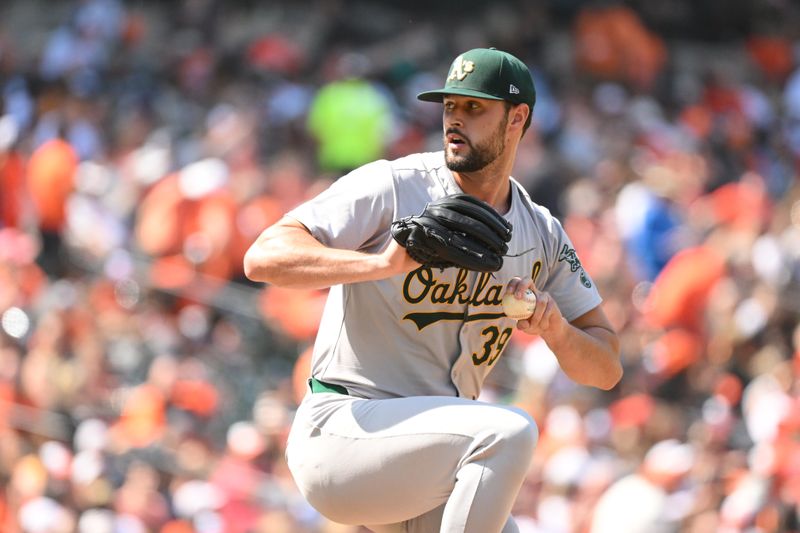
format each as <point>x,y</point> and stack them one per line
<point>418,464</point>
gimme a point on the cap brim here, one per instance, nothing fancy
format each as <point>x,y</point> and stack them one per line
<point>439,94</point>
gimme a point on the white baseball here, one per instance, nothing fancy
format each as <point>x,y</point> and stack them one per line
<point>519,309</point>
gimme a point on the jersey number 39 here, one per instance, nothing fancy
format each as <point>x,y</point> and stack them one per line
<point>495,342</point>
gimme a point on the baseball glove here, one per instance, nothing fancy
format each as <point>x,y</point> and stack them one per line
<point>455,231</point>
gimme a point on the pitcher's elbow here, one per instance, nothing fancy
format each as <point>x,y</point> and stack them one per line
<point>612,377</point>
<point>254,267</point>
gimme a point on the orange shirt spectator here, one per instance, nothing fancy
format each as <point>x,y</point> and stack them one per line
<point>51,178</point>
<point>681,290</point>
<point>12,181</point>
<point>773,55</point>
<point>612,43</point>
<point>187,234</point>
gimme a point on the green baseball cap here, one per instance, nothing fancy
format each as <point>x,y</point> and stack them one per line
<point>487,73</point>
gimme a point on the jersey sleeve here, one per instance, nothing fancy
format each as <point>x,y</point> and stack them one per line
<point>568,282</point>
<point>355,212</point>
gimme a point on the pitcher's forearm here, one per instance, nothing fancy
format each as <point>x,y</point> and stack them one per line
<point>589,356</point>
<point>311,267</point>
<point>287,255</point>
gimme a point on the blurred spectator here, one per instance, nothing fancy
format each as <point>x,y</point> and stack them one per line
<point>645,502</point>
<point>13,198</point>
<point>612,43</point>
<point>650,220</point>
<point>349,117</point>
<point>187,222</point>
<point>50,177</point>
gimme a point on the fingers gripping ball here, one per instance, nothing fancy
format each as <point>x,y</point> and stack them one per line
<point>455,231</point>
<point>519,309</point>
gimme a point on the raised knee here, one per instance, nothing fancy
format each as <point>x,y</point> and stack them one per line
<point>521,432</point>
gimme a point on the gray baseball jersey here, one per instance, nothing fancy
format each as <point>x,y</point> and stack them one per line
<point>431,331</point>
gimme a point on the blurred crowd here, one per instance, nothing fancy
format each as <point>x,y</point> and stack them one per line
<point>147,387</point>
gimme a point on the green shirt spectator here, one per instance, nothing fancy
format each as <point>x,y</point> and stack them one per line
<point>350,120</point>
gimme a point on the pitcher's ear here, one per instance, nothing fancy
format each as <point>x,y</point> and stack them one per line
<point>519,115</point>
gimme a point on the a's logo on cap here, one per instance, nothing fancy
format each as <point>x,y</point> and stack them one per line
<point>460,69</point>
<point>512,89</point>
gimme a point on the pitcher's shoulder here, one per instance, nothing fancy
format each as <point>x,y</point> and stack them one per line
<point>422,161</point>
<point>540,214</point>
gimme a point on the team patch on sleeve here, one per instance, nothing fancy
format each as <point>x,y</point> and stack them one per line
<point>568,254</point>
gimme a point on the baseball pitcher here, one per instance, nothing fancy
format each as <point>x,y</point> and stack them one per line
<point>418,254</point>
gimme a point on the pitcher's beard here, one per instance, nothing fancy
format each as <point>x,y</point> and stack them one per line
<point>479,155</point>
<point>473,161</point>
